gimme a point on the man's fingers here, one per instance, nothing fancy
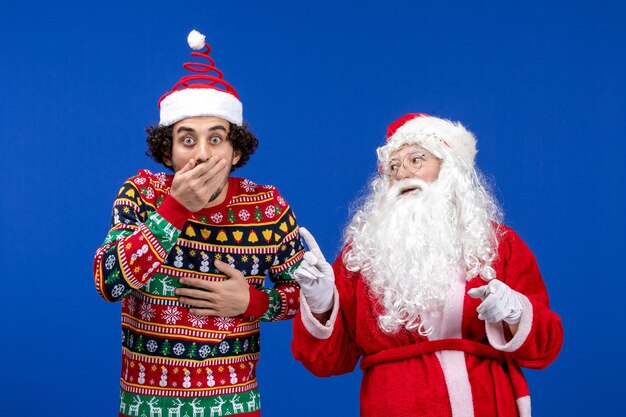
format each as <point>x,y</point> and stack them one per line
<point>219,170</point>
<point>227,269</point>
<point>194,282</point>
<point>196,302</point>
<point>188,166</point>
<point>201,169</point>
<point>203,312</point>
<point>204,293</point>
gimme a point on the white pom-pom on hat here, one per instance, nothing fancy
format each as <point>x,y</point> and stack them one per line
<point>196,40</point>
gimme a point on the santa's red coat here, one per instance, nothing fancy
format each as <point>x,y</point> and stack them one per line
<point>466,368</point>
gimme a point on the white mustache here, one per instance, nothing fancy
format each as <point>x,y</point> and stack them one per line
<point>403,186</point>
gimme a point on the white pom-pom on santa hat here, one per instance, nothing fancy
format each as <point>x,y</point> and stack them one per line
<point>422,128</point>
<point>196,40</point>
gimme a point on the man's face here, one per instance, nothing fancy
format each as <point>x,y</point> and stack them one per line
<point>413,161</point>
<point>200,138</point>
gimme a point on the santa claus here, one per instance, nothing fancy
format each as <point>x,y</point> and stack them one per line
<point>440,302</point>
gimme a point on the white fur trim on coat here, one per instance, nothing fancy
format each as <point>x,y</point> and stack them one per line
<point>495,331</point>
<point>314,327</point>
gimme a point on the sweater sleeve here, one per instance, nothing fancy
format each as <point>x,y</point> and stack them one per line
<point>280,301</point>
<point>540,333</point>
<point>329,349</point>
<point>140,237</point>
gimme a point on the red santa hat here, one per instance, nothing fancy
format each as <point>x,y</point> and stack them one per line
<point>424,129</point>
<point>201,93</point>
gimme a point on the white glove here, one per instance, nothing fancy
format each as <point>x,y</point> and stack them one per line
<point>500,302</point>
<point>315,276</point>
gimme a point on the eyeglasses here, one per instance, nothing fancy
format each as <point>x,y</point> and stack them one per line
<point>411,162</point>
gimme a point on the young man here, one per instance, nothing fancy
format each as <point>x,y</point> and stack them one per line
<point>441,302</point>
<point>187,255</point>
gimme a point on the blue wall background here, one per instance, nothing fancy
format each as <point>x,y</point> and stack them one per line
<point>540,83</point>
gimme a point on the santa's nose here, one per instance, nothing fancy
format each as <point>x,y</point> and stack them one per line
<point>402,173</point>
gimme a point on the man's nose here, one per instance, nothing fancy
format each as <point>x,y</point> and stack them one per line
<point>203,151</point>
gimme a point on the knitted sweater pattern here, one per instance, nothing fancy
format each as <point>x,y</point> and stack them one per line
<point>174,362</point>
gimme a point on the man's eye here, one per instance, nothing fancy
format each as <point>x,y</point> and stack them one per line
<point>215,140</point>
<point>188,140</point>
<point>393,167</point>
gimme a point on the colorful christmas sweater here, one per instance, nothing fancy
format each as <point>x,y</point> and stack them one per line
<point>175,363</point>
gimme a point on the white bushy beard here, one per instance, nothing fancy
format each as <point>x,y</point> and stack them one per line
<point>410,247</point>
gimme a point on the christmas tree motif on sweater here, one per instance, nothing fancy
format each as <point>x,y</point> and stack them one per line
<point>210,380</point>
<point>237,406</point>
<point>139,346</point>
<point>165,348</point>
<point>237,346</point>
<point>192,351</point>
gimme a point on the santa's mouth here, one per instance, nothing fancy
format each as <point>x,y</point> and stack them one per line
<point>411,189</point>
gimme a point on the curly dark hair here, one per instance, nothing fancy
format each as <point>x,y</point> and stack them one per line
<point>160,138</point>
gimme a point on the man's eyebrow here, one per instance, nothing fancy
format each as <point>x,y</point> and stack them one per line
<point>191,130</point>
<point>184,129</point>
<point>217,127</point>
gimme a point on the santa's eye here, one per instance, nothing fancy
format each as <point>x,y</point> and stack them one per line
<point>215,140</point>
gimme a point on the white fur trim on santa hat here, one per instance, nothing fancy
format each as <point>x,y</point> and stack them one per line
<point>195,102</point>
<point>424,129</point>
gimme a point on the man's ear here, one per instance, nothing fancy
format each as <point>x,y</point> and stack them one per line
<point>236,156</point>
<point>167,161</point>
